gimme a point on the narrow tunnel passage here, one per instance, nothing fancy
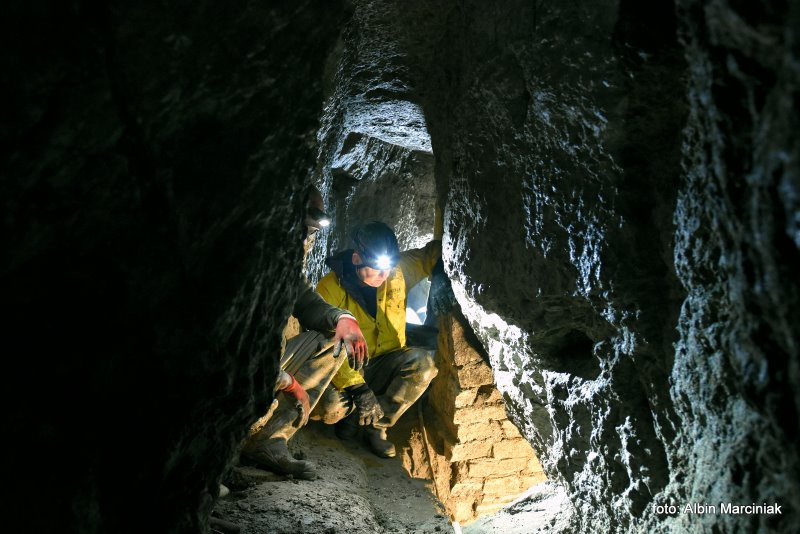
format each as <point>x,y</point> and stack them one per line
<point>460,457</point>
<point>615,187</point>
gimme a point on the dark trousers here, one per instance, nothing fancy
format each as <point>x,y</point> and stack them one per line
<point>397,378</point>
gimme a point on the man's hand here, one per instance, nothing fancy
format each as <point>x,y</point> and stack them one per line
<point>441,298</point>
<point>348,334</point>
<point>367,406</point>
<point>296,391</point>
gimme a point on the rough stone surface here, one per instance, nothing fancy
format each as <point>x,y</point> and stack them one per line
<point>475,375</point>
<point>544,508</point>
<point>469,450</point>
<point>620,190</point>
<point>375,159</point>
<point>737,253</point>
<point>354,492</point>
<point>153,161</point>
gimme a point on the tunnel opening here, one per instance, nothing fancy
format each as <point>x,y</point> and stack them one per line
<point>378,163</point>
<point>461,456</point>
<point>457,446</point>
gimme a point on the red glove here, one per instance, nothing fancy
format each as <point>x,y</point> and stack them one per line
<point>349,334</point>
<point>296,391</point>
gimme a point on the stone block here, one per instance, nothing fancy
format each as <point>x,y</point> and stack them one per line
<point>502,486</point>
<point>495,468</point>
<point>463,352</point>
<point>463,511</point>
<point>534,466</point>
<point>465,397</point>
<point>466,490</point>
<point>480,413</point>
<point>510,430</point>
<point>475,374</point>
<point>469,450</point>
<point>515,448</point>
<point>484,430</point>
<point>488,508</point>
<point>531,480</point>
<point>492,396</point>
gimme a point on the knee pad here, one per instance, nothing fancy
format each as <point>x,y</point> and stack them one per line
<point>425,364</point>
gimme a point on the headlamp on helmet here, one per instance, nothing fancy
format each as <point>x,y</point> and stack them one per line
<point>377,245</point>
<point>382,262</point>
<point>317,219</point>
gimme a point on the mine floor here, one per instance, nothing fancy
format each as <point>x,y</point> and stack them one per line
<point>356,492</point>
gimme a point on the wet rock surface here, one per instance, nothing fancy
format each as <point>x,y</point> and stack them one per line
<point>735,376</point>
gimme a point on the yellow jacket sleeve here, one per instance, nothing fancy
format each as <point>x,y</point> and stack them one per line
<point>418,263</point>
<point>333,293</point>
<point>330,290</point>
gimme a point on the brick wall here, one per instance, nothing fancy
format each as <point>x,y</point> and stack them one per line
<point>479,460</point>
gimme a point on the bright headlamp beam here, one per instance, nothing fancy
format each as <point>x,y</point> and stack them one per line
<point>324,223</point>
<point>383,262</point>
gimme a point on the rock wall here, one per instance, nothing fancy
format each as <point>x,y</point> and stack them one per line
<point>737,252</point>
<point>153,161</point>
<point>620,222</point>
<point>620,188</point>
<point>375,159</point>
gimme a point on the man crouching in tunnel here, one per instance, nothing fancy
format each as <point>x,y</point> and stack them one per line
<point>308,363</point>
<point>372,281</point>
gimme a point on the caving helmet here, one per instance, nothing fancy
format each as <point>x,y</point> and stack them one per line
<point>316,219</point>
<point>376,244</point>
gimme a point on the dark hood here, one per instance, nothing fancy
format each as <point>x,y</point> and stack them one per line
<point>342,264</point>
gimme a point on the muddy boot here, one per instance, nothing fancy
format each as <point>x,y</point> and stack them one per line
<point>376,439</point>
<point>273,455</point>
<point>347,429</point>
<point>266,447</point>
